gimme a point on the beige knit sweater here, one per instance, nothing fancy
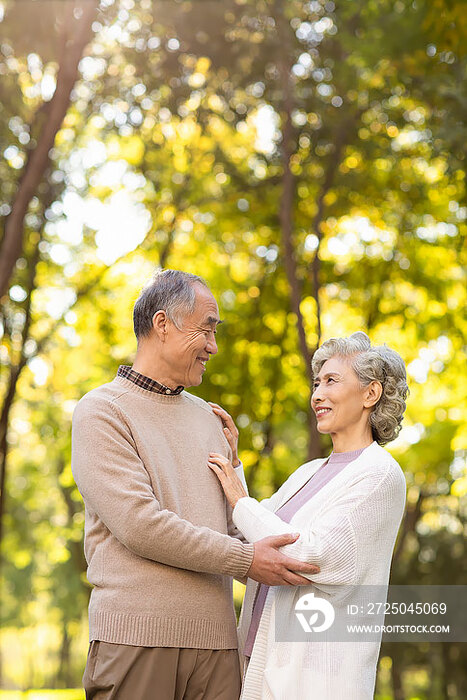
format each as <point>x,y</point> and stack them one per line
<point>156,520</point>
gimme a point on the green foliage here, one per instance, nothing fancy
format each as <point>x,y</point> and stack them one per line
<point>178,118</point>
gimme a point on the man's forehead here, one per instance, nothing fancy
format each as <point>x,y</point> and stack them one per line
<point>206,309</point>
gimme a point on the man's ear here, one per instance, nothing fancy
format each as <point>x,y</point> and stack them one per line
<point>159,323</point>
<point>372,394</point>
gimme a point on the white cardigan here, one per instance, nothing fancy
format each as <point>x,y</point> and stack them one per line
<point>348,529</point>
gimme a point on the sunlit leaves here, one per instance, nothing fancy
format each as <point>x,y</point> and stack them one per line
<point>171,152</point>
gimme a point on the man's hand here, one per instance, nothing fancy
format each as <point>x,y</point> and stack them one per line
<point>273,568</point>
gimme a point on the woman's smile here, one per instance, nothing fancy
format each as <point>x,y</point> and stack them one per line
<point>320,412</point>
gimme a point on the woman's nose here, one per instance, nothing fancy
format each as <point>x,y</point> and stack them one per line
<point>316,395</point>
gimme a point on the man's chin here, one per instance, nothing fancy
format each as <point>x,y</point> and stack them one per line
<point>195,381</point>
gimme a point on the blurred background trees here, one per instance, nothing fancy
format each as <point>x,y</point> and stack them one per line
<point>308,160</point>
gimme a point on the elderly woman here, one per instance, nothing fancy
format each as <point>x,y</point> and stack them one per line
<point>347,510</point>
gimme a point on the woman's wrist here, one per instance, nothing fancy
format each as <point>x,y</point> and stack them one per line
<point>237,499</point>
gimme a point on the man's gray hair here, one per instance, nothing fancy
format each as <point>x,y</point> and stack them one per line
<point>372,363</point>
<point>171,291</point>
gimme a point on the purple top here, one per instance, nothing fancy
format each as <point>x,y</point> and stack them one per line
<point>331,467</point>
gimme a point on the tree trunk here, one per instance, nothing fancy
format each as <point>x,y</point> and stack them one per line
<point>396,678</point>
<point>76,34</point>
<point>274,385</point>
<point>446,670</point>
<point>286,224</point>
<point>63,678</point>
<point>15,372</point>
<point>409,523</point>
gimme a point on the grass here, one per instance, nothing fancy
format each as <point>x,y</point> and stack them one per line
<point>74,694</point>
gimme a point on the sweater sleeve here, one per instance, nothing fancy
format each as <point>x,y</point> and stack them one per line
<point>115,485</point>
<point>332,539</point>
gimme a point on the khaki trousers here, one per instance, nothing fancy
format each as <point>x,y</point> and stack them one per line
<point>122,672</point>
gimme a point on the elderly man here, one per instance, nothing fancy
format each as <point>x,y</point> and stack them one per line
<point>159,541</point>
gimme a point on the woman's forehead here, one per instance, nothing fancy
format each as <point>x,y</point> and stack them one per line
<point>336,365</point>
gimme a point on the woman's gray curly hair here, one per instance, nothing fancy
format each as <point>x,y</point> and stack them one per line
<point>377,363</point>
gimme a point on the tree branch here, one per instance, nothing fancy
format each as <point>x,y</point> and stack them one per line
<point>75,39</point>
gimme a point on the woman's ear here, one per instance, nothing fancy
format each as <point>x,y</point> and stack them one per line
<point>372,394</point>
<point>159,323</point>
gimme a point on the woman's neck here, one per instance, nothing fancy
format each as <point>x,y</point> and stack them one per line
<point>354,441</point>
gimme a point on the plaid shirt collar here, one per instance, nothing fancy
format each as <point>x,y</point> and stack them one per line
<point>146,382</point>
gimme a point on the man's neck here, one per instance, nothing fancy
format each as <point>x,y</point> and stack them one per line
<point>154,372</point>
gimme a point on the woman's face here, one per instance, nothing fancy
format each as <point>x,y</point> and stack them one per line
<point>338,400</point>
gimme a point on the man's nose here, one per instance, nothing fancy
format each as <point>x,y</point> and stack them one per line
<point>211,345</point>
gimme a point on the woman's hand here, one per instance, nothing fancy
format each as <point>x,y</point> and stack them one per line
<point>223,469</point>
<point>230,430</point>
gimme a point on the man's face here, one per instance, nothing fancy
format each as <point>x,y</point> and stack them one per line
<point>186,351</point>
